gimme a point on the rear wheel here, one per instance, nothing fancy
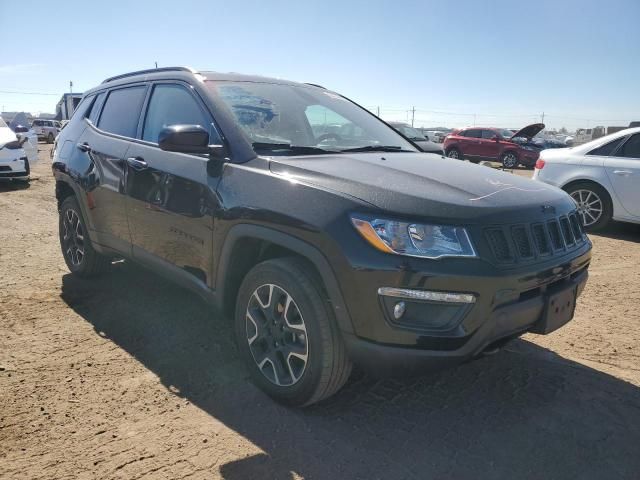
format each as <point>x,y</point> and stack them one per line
<point>594,204</point>
<point>77,250</point>
<point>287,334</point>
<point>454,153</point>
<point>50,138</point>
<point>509,160</point>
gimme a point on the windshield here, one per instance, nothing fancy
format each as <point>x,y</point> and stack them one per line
<point>506,133</point>
<point>285,119</point>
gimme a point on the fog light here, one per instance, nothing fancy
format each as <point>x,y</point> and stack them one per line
<point>398,310</point>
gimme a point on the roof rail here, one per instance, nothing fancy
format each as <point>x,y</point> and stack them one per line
<point>151,70</point>
<point>315,85</point>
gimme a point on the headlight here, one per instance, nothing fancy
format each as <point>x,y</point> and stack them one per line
<point>415,239</point>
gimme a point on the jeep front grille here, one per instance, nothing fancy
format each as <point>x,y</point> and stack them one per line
<point>526,242</point>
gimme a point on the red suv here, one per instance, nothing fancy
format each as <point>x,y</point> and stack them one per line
<point>494,144</point>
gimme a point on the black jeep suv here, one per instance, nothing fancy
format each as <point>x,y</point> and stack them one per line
<point>325,233</point>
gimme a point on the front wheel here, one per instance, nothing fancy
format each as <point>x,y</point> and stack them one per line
<point>77,250</point>
<point>509,160</point>
<point>454,153</point>
<point>287,334</point>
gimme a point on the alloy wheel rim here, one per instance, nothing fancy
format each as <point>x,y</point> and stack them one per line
<point>453,154</point>
<point>509,160</point>
<point>73,237</point>
<point>589,206</point>
<point>277,335</point>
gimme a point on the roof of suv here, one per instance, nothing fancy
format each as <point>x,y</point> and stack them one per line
<point>187,72</point>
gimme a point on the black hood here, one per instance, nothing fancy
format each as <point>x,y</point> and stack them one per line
<point>529,131</point>
<point>426,185</point>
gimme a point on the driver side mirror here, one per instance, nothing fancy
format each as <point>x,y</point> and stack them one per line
<point>188,139</point>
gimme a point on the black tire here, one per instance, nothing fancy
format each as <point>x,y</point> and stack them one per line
<point>509,159</point>
<point>74,237</point>
<point>579,192</point>
<point>455,154</point>
<point>50,138</point>
<point>326,367</point>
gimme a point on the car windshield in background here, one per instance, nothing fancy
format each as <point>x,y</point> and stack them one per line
<point>411,133</point>
<point>506,133</point>
<point>286,119</point>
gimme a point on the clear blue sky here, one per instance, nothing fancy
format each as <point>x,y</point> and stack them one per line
<point>505,61</point>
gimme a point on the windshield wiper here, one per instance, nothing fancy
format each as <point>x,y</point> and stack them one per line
<point>376,148</point>
<point>301,149</point>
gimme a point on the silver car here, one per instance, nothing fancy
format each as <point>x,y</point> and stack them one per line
<point>46,129</point>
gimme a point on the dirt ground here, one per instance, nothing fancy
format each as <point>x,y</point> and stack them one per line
<point>128,376</point>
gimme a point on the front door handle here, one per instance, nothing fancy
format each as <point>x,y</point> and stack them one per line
<point>137,163</point>
<point>83,147</point>
<point>623,172</point>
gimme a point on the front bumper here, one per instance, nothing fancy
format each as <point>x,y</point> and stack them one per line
<point>505,322</point>
<point>18,169</point>
<point>507,301</point>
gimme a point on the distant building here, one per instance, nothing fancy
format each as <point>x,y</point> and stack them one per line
<point>67,105</point>
<point>46,116</point>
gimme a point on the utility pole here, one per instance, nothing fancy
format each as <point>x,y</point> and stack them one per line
<point>70,86</point>
<point>156,64</point>
<point>378,112</point>
<point>413,115</point>
<point>542,117</point>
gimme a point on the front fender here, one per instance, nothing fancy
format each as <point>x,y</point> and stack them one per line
<point>304,249</point>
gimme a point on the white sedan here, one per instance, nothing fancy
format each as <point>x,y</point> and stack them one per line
<point>602,176</point>
<point>14,164</point>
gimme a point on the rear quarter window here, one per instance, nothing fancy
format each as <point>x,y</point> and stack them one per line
<point>121,111</point>
<point>82,109</point>
<point>608,148</point>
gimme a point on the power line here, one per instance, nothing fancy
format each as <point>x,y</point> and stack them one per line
<point>28,93</point>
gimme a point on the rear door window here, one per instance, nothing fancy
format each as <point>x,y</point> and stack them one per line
<point>488,134</point>
<point>121,111</point>
<point>473,133</point>
<point>608,148</point>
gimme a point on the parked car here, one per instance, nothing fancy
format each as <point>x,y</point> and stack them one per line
<point>435,135</point>
<point>494,145</point>
<point>325,250</point>
<point>602,176</point>
<point>567,140</point>
<point>14,164</point>
<point>20,126</point>
<point>46,129</point>
<point>545,143</point>
<point>416,137</point>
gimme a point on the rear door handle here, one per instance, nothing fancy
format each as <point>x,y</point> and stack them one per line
<point>623,172</point>
<point>137,163</point>
<point>83,147</point>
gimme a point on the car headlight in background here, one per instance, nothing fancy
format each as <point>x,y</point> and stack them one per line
<point>415,239</point>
